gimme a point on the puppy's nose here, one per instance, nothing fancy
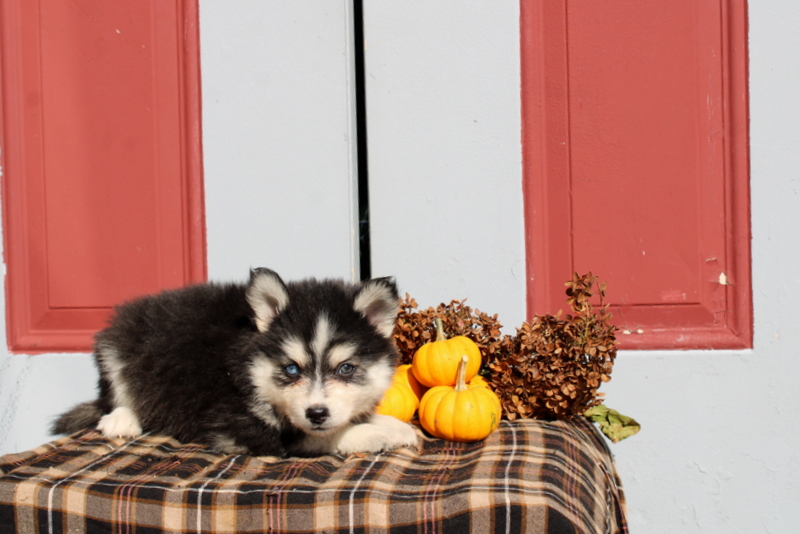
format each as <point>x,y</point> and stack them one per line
<point>317,414</point>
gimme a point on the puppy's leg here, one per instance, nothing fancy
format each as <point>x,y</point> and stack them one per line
<point>120,423</point>
<point>381,433</point>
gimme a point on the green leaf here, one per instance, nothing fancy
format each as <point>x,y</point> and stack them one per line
<point>612,423</point>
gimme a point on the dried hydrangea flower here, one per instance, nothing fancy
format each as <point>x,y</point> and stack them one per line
<point>550,369</point>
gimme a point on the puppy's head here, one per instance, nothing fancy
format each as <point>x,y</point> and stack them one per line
<point>324,355</point>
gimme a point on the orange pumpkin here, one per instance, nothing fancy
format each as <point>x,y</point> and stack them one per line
<point>405,376</point>
<point>460,413</point>
<point>401,399</point>
<point>478,380</point>
<point>436,362</point>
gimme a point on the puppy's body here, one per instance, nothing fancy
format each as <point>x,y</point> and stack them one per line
<point>263,368</point>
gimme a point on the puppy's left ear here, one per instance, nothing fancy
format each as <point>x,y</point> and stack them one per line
<point>377,300</point>
<point>267,295</point>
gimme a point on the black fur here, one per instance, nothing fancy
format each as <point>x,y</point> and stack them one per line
<point>81,416</point>
<point>186,357</point>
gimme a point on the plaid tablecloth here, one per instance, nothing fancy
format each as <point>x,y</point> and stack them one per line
<point>529,476</point>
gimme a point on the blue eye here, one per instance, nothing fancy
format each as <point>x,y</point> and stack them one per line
<point>346,369</point>
<point>292,369</point>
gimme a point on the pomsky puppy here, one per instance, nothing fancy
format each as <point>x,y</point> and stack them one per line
<point>263,368</point>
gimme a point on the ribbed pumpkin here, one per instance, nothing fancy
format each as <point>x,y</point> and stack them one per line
<point>405,376</point>
<point>401,399</point>
<point>436,362</point>
<point>460,413</point>
<point>478,380</point>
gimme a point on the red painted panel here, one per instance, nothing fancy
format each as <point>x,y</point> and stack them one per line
<point>102,181</point>
<point>635,148</point>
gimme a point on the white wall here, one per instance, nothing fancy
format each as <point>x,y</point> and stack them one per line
<point>279,167</point>
<point>718,452</point>
<point>445,163</point>
<point>719,448</point>
<point>279,137</point>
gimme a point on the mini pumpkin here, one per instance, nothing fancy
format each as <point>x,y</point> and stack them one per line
<point>436,363</point>
<point>460,412</point>
<point>478,380</point>
<point>405,376</point>
<point>401,399</point>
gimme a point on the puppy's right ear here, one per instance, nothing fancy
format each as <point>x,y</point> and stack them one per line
<point>267,295</point>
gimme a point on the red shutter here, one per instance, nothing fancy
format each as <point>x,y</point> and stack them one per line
<point>102,192</point>
<point>636,166</point>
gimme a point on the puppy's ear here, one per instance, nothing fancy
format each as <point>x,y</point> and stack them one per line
<point>377,300</point>
<point>267,295</point>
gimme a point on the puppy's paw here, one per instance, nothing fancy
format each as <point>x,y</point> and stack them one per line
<point>120,423</point>
<point>382,433</point>
<point>393,423</point>
<point>404,434</point>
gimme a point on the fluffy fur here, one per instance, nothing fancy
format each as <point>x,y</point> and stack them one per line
<point>263,368</point>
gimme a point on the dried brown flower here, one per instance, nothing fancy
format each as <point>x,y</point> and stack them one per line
<point>551,368</point>
<point>416,327</point>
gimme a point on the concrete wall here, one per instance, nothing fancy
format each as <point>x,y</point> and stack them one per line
<point>718,452</point>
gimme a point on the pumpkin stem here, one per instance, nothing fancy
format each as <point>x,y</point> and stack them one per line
<point>461,375</point>
<point>439,329</point>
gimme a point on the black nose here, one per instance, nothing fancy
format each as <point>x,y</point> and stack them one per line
<point>317,414</point>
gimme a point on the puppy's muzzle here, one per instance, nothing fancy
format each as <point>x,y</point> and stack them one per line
<point>317,414</point>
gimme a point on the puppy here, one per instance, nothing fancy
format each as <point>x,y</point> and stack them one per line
<point>263,368</point>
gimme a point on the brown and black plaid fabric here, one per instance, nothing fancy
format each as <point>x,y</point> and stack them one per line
<point>529,476</point>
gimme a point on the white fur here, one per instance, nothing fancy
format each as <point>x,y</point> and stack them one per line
<point>376,302</point>
<point>345,401</point>
<point>322,336</point>
<point>340,353</point>
<point>265,413</point>
<point>267,296</point>
<point>120,423</point>
<point>110,361</point>
<point>295,349</point>
<point>226,444</point>
<point>381,433</point>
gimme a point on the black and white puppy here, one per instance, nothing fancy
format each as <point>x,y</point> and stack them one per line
<point>263,368</point>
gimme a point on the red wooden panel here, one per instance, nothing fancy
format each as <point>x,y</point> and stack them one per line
<point>102,183</point>
<point>635,150</point>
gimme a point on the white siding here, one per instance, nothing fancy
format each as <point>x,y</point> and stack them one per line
<point>280,175</point>
<point>443,123</point>
<point>718,452</point>
<point>279,137</point>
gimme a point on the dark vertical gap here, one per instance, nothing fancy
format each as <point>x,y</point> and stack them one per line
<point>365,263</point>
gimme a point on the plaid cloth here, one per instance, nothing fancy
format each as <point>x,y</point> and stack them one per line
<point>528,476</point>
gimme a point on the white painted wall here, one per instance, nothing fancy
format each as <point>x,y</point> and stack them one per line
<point>445,162</point>
<point>719,448</point>
<point>279,137</point>
<point>280,175</point>
<point>719,451</point>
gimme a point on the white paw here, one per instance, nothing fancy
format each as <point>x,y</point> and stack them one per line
<point>382,433</point>
<point>120,423</point>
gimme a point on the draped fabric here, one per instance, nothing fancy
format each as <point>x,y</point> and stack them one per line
<point>528,476</point>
